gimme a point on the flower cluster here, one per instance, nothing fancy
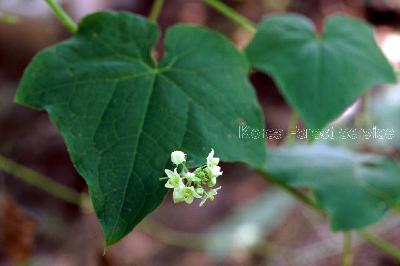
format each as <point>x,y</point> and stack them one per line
<point>197,184</point>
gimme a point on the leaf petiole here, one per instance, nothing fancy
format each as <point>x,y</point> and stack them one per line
<point>346,251</point>
<point>63,16</point>
<point>231,14</point>
<point>40,181</point>
<point>382,244</point>
<point>156,10</point>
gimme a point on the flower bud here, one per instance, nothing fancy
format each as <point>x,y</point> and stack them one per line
<point>178,157</point>
<point>199,191</point>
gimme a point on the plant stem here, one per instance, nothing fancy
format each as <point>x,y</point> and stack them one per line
<point>62,16</point>
<point>373,239</point>
<point>382,244</point>
<point>292,191</point>
<point>169,237</point>
<point>231,14</point>
<point>346,251</point>
<point>290,137</point>
<point>156,10</point>
<point>195,241</point>
<point>364,118</point>
<point>40,181</point>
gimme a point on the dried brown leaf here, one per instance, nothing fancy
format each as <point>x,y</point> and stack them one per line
<point>17,231</point>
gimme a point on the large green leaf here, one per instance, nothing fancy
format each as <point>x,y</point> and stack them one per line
<point>354,189</point>
<point>319,75</point>
<point>121,114</point>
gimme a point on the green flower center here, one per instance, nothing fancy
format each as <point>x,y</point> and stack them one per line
<point>174,180</point>
<point>187,193</point>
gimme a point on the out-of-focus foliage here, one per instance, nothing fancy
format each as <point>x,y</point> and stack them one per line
<point>320,75</point>
<point>354,189</point>
<point>385,113</point>
<point>248,226</point>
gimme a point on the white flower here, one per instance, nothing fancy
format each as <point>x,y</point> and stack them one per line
<point>178,195</point>
<point>209,195</point>
<point>178,157</point>
<point>188,185</point>
<point>211,160</point>
<point>212,164</point>
<point>174,179</point>
<point>216,171</point>
<point>186,194</point>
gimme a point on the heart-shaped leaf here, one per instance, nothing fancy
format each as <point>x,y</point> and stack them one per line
<point>354,189</point>
<point>121,114</point>
<point>319,75</point>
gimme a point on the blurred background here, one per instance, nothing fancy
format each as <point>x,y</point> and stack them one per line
<point>251,222</point>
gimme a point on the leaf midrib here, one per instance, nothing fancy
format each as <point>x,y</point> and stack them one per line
<point>129,176</point>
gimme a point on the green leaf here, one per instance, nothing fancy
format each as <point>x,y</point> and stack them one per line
<point>354,189</point>
<point>121,114</point>
<point>385,112</point>
<point>319,75</point>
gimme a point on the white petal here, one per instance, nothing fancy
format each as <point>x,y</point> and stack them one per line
<point>210,157</point>
<point>196,195</point>
<point>181,185</point>
<point>215,161</point>
<point>176,172</point>
<point>178,195</point>
<point>211,154</point>
<point>216,171</point>
<point>169,173</point>
<point>189,200</point>
<point>168,185</point>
